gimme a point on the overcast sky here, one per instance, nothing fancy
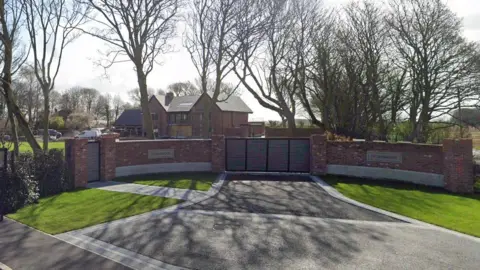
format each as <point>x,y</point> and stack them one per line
<point>78,69</point>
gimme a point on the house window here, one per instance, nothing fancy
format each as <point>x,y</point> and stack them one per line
<point>154,116</point>
<point>178,118</point>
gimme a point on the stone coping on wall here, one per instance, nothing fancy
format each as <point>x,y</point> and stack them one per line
<point>162,140</point>
<point>387,143</point>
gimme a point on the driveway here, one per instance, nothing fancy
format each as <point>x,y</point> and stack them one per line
<point>286,223</point>
<point>22,247</point>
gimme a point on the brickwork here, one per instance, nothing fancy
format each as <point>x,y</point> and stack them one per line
<point>76,157</point>
<point>297,133</point>
<point>108,156</point>
<point>458,165</point>
<point>241,132</point>
<point>318,152</point>
<point>218,153</point>
<point>130,153</point>
<point>415,157</point>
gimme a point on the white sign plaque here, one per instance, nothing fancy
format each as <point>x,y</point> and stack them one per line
<point>388,157</point>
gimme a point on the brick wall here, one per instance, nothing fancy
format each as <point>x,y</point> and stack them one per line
<point>297,133</point>
<point>458,165</point>
<point>415,157</point>
<point>130,153</point>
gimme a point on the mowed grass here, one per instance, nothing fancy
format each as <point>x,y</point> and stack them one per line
<point>194,181</point>
<point>82,208</point>
<point>456,212</point>
<point>25,147</point>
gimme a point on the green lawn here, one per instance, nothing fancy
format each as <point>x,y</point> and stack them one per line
<point>457,212</point>
<point>82,208</point>
<point>25,147</point>
<point>195,181</point>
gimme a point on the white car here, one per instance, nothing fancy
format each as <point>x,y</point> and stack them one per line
<point>89,134</point>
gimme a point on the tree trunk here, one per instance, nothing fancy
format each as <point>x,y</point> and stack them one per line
<point>46,117</point>
<point>147,117</point>
<point>8,94</point>
<point>291,125</point>
<point>11,118</point>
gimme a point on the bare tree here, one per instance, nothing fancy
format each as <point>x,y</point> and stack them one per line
<point>117,105</point>
<point>13,57</point>
<point>103,108</point>
<point>89,96</point>
<point>427,35</point>
<point>33,93</point>
<point>211,42</point>
<point>267,37</point>
<point>136,31</point>
<point>136,97</point>
<point>51,27</point>
<point>183,89</point>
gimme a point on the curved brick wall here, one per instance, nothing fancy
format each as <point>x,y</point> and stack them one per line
<point>131,153</point>
<point>415,157</point>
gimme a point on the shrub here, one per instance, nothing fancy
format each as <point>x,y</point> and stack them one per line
<point>57,123</point>
<point>33,177</point>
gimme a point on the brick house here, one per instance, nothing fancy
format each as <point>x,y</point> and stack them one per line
<point>182,116</point>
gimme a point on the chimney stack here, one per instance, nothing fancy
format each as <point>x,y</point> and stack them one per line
<point>168,98</point>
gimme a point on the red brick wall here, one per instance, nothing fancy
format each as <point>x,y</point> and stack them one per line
<point>77,161</point>
<point>416,157</point>
<point>458,165</point>
<point>297,133</point>
<point>129,153</point>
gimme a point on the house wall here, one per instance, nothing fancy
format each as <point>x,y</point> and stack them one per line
<point>195,118</point>
<point>162,123</point>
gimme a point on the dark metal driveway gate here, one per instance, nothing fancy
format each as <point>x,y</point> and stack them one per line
<point>93,161</point>
<point>268,155</point>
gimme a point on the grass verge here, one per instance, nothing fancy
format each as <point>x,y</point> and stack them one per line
<point>195,181</point>
<point>86,207</point>
<point>435,206</point>
<point>24,147</point>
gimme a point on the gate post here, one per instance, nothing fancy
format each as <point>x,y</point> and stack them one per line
<point>218,153</point>
<point>458,165</point>
<point>76,157</point>
<point>318,152</point>
<point>108,155</point>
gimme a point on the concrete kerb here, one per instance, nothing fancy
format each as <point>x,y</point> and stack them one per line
<point>172,209</point>
<point>4,267</point>
<point>334,193</point>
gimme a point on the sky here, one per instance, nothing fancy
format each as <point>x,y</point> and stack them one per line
<point>78,68</point>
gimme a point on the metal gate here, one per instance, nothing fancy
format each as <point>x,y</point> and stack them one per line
<point>93,161</point>
<point>268,155</point>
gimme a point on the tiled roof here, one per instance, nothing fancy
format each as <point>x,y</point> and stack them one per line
<point>132,117</point>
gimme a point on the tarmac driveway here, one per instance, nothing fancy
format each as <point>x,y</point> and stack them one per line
<point>287,223</point>
<point>287,195</point>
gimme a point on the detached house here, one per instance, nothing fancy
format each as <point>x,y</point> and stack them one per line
<point>183,116</point>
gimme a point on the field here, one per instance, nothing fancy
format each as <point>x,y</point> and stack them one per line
<point>25,147</point>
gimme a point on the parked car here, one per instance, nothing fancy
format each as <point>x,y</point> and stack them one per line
<point>51,132</point>
<point>89,134</point>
